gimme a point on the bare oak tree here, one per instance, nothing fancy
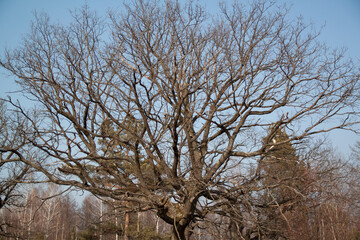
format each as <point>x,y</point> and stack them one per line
<point>171,109</point>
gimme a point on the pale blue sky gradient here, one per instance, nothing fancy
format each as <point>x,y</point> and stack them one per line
<point>340,18</point>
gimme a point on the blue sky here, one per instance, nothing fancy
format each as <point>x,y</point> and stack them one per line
<point>340,18</point>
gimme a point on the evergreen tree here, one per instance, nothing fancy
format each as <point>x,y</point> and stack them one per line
<point>285,184</point>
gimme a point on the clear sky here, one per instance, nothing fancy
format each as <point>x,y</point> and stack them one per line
<point>340,18</point>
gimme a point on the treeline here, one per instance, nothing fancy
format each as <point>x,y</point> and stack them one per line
<point>47,213</point>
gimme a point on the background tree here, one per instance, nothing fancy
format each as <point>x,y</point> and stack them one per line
<point>210,95</point>
<point>285,178</point>
<point>45,213</point>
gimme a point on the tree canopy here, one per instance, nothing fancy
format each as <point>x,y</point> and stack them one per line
<point>172,109</point>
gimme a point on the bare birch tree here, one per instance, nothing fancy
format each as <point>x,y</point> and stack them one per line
<point>186,104</point>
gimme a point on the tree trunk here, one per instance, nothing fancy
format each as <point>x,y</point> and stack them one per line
<point>179,233</point>
<point>157,225</point>
<point>126,225</point>
<point>101,218</point>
